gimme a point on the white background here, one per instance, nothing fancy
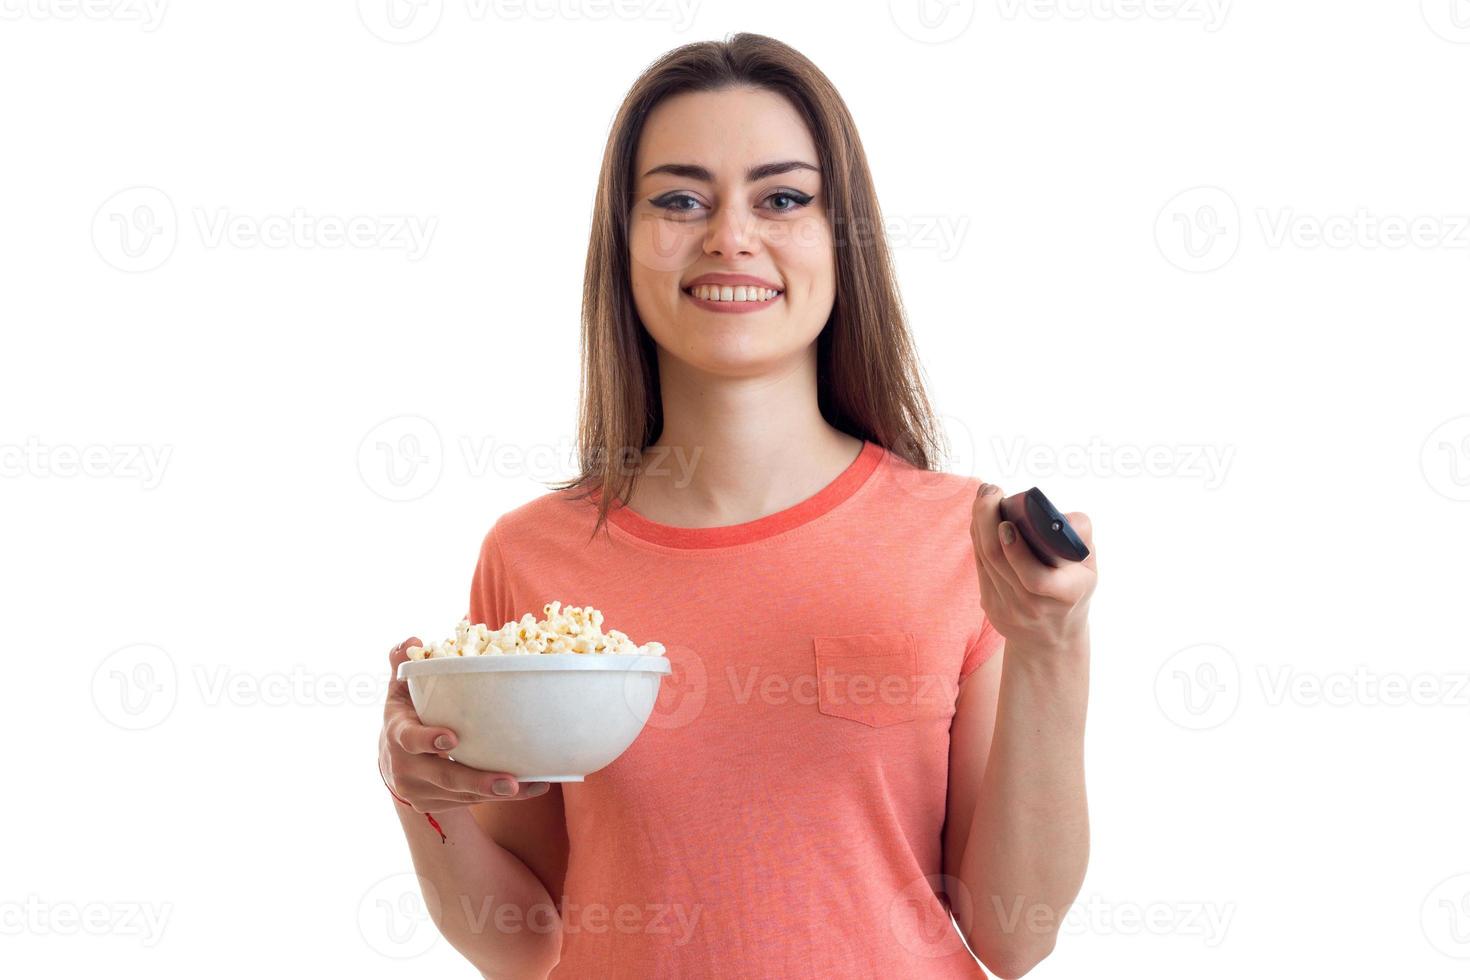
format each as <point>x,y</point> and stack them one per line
<point>1228,239</point>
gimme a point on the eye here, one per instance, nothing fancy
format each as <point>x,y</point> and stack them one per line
<point>674,203</point>
<point>667,202</point>
<point>802,200</point>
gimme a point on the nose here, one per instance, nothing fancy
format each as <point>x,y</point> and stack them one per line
<point>731,232</point>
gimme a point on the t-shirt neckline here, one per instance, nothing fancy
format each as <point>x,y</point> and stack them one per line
<point>802,512</point>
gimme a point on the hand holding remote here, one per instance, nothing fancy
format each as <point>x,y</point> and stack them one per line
<point>1037,569</point>
<point>1044,528</point>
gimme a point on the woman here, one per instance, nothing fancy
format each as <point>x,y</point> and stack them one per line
<point>846,750</point>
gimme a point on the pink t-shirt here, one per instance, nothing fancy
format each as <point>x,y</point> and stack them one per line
<point>781,812</point>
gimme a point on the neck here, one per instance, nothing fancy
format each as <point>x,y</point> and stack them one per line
<point>735,449</point>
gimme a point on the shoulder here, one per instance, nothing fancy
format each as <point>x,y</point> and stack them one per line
<point>550,513</point>
<point>933,492</point>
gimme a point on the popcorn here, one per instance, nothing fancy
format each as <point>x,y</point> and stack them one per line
<point>573,629</point>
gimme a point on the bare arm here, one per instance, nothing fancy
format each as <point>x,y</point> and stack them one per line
<point>484,899</point>
<point>483,881</point>
<point>1017,835</point>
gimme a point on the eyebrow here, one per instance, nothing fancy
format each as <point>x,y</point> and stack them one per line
<point>693,171</point>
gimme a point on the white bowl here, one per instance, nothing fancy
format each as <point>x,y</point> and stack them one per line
<point>542,717</point>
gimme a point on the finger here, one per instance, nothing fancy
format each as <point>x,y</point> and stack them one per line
<point>985,531</point>
<point>414,737</point>
<point>983,515</point>
<point>1082,524</point>
<point>428,799</point>
<point>456,780</point>
<point>998,593</point>
<point>1029,572</point>
<point>397,689</point>
<point>524,791</point>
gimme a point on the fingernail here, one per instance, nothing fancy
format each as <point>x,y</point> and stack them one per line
<point>989,489</point>
<point>503,787</point>
<point>1007,532</point>
<point>443,742</point>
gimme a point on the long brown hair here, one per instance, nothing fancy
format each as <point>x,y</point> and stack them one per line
<point>868,378</point>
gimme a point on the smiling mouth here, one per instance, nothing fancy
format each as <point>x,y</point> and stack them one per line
<point>739,295</point>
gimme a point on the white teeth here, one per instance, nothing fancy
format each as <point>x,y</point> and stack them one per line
<point>733,294</point>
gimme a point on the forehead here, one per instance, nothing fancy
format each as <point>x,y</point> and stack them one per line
<point>726,132</point>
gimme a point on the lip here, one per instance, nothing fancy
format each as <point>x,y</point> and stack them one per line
<point>729,279</point>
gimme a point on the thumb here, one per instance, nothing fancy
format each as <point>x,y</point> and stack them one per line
<point>397,689</point>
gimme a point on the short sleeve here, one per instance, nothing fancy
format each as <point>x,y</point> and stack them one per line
<point>491,601</point>
<point>981,650</point>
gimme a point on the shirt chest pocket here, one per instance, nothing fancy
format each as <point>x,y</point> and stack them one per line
<point>870,678</point>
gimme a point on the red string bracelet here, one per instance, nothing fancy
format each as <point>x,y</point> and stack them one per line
<point>432,822</point>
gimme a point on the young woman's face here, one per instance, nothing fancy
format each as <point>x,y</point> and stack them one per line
<point>697,211</point>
